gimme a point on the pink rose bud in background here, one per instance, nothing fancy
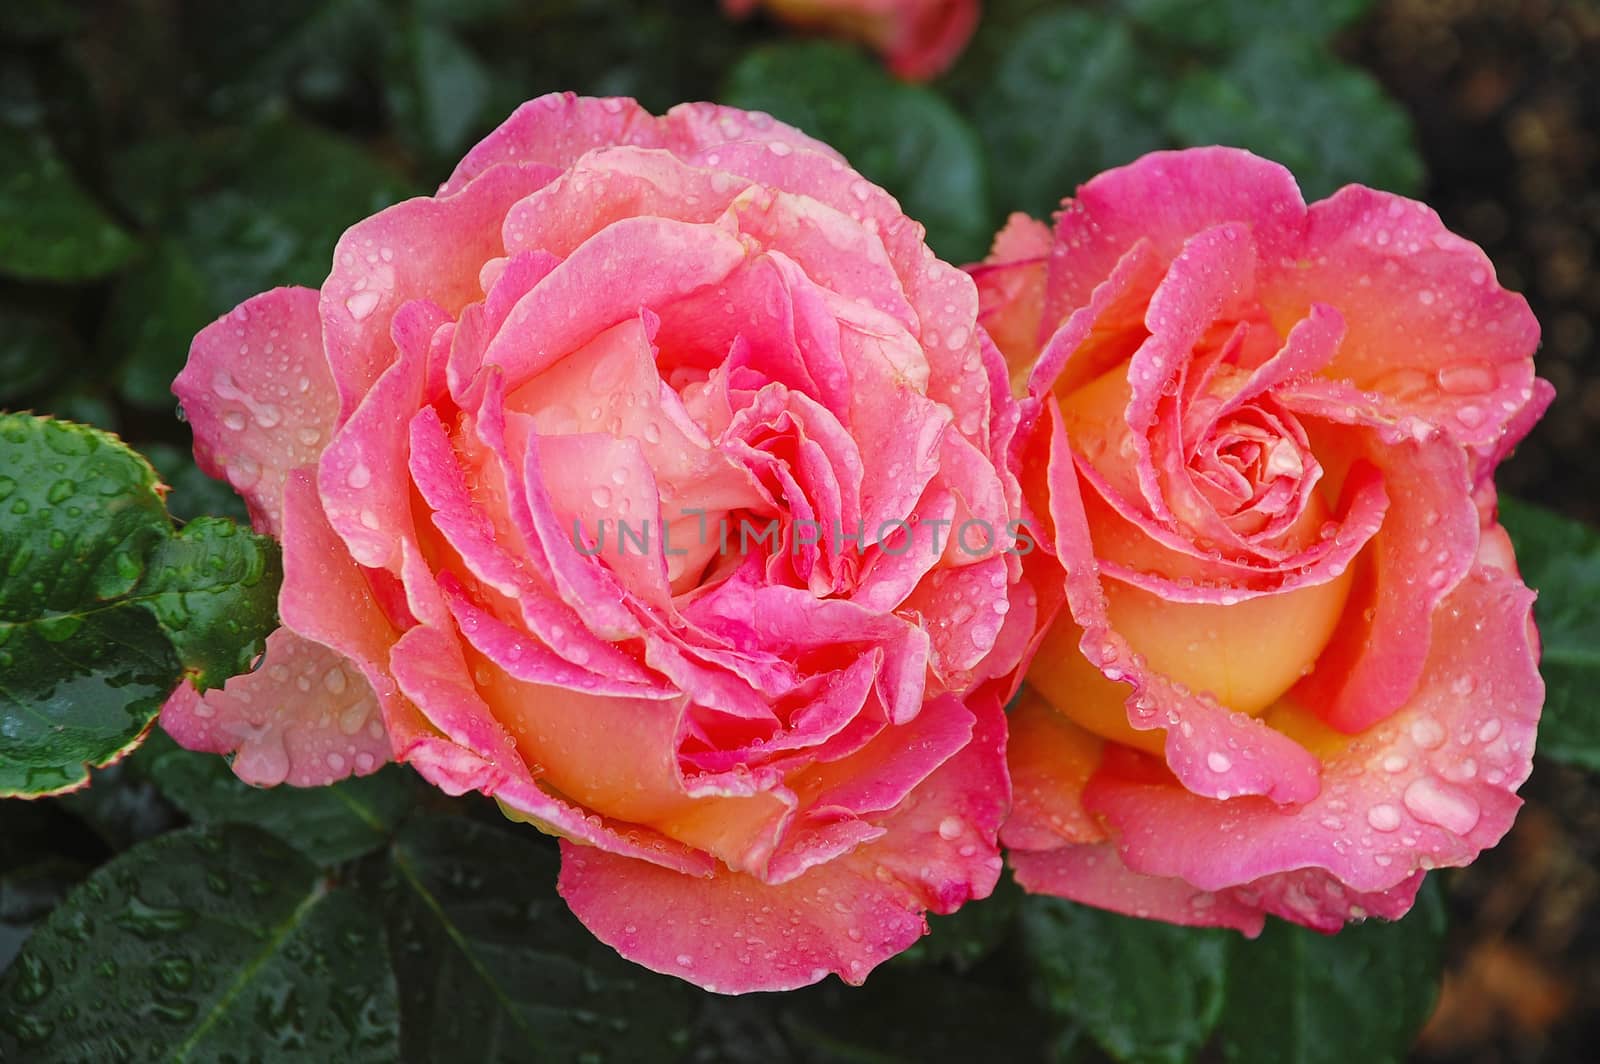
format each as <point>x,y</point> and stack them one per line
<point>1291,664</point>
<point>765,720</point>
<point>918,39</point>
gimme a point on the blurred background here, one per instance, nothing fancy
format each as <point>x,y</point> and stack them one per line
<point>161,160</point>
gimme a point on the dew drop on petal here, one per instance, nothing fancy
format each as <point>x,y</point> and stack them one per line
<point>1383,817</point>
<point>1439,803</point>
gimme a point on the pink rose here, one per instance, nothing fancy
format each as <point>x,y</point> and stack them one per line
<point>919,39</point>
<point>604,480</point>
<point>1293,665</point>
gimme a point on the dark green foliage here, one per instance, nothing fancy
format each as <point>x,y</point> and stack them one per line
<point>103,605</point>
<point>1560,559</point>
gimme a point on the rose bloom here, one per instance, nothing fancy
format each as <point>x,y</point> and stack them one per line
<point>918,39</point>
<point>766,756</point>
<point>1292,665</point>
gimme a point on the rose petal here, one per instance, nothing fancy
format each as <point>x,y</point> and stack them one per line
<point>423,248</point>
<point>1095,875</point>
<point>1051,760</point>
<point>729,933</point>
<point>1165,198</point>
<point>1220,753</point>
<point>1431,786</point>
<point>304,717</point>
<point>259,396</point>
<point>1427,324</point>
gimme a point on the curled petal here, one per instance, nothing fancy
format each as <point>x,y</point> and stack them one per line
<point>730,933</point>
<point>1431,786</point>
<point>304,717</point>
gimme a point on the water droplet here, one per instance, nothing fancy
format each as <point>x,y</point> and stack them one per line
<point>1439,803</point>
<point>950,828</point>
<point>174,973</point>
<point>362,304</point>
<point>1427,733</point>
<point>334,680</point>
<point>1219,762</point>
<point>1383,817</point>
<point>359,476</point>
<point>1466,378</point>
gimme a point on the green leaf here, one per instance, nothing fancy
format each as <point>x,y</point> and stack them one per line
<point>1072,94</point>
<point>905,138</point>
<point>1560,559</point>
<point>252,55</point>
<point>330,825</point>
<point>34,349</point>
<point>1295,103</point>
<point>251,208</point>
<point>437,90</point>
<point>50,229</point>
<point>156,308</point>
<point>96,587</point>
<point>493,967</point>
<point>1227,24</point>
<point>1145,991</point>
<point>214,588</point>
<point>1298,997</point>
<point>203,945</point>
<point>83,669</point>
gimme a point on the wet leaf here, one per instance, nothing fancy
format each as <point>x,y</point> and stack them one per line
<point>1560,559</point>
<point>1071,94</point>
<point>50,228</point>
<point>96,587</point>
<point>82,669</point>
<point>1145,991</point>
<point>214,589</point>
<point>1299,997</point>
<point>1297,104</point>
<point>493,967</point>
<point>330,824</point>
<point>1228,24</point>
<point>196,946</point>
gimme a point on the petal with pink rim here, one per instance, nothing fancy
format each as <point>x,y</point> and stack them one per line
<point>259,396</point>
<point>1428,325</point>
<point>305,717</point>
<point>1165,198</point>
<point>1433,783</point>
<point>1219,753</point>
<point>729,933</point>
<point>423,248</point>
<point>1095,875</point>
